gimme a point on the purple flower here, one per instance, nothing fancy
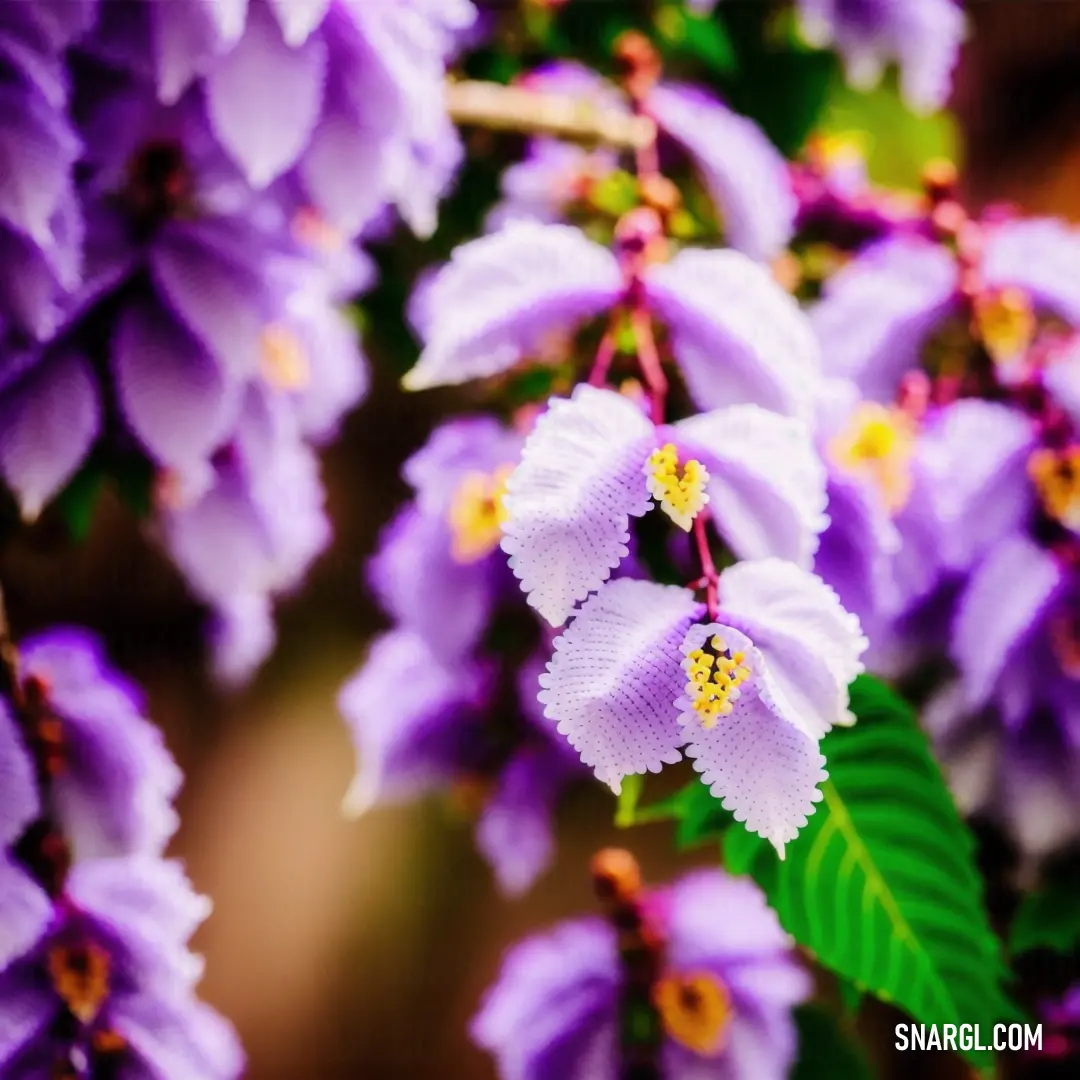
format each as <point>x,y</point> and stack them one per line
<point>251,535</point>
<point>420,725</point>
<point>95,972</point>
<point>724,985</point>
<point>438,569</point>
<point>880,312</point>
<point>108,985</point>
<point>594,461</point>
<point>636,676</point>
<point>737,336</point>
<point>922,36</point>
<point>743,174</point>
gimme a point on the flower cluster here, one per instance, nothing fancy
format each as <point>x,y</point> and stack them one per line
<point>961,332</point>
<point>696,979</point>
<point>182,184</point>
<point>96,979</point>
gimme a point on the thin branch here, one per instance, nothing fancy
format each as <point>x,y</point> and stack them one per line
<point>531,112</point>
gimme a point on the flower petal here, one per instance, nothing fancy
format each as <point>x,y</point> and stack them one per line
<point>616,672</point>
<point>1062,379</point>
<point>1041,255</point>
<point>1005,598</point>
<point>501,295</point>
<point>765,769</point>
<point>27,912</point>
<point>263,98</point>
<point>171,391</point>
<point>515,829</point>
<point>878,311</point>
<point>570,500</point>
<point>406,713</point>
<point>745,175</point>
<point>298,18</point>
<point>766,480</point>
<point>811,645</point>
<point>47,424</point>
<point>738,337</point>
<point>19,802</point>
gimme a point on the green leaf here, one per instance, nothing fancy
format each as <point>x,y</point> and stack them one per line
<point>825,1053</point>
<point>1050,917</point>
<point>695,34</point>
<point>881,885</point>
<point>626,808</point>
<point>77,502</point>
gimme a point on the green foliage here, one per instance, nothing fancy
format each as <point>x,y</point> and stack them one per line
<point>881,886</point>
<point>825,1052</point>
<point>699,818</point>
<point>131,476</point>
<point>1050,917</point>
<point>897,142</point>
<point>696,34</point>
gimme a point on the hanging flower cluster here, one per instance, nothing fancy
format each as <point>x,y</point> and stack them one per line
<point>696,979</point>
<point>961,330</point>
<point>95,974</point>
<point>181,186</point>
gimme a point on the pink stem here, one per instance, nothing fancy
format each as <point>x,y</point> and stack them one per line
<point>649,359</point>
<point>605,353</point>
<point>709,576</point>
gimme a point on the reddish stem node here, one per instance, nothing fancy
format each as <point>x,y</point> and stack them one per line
<point>709,579</point>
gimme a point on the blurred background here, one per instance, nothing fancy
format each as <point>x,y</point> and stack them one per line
<point>344,949</point>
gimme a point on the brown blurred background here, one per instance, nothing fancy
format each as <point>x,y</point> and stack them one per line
<point>360,949</point>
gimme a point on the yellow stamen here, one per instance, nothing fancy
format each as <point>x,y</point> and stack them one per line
<point>878,443</point>
<point>80,976</point>
<point>1056,475</point>
<point>1005,322</point>
<point>678,488</point>
<point>477,514</point>
<point>695,1010</point>
<point>714,678</point>
<point>285,363</point>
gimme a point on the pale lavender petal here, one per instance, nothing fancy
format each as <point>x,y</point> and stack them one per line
<point>172,392</point>
<point>812,646</point>
<point>48,423</point>
<point>186,36</point>
<point>1062,379</point>
<point>766,480</point>
<point>977,498</point>
<point>115,796</point>
<point>242,636</point>
<point>1007,595</point>
<point>502,294</point>
<point>514,833</point>
<point>879,310</point>
<point>298,18</point>
<point>19,803</point>
<point>419,584</point>
<point>401,707</point>
<point>765,769</point>
<point>1041,255</point>
<point>556,994</point>
<point>737,336</point>
<point>614,675</point>
<point>27,911</point>
<point>570,501</point>
<point>745,175</point>
<point>264,98</point>
<point>216,295</point>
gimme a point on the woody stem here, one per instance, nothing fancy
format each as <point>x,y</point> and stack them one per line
<point>710,579</point>
<point>649,359</point>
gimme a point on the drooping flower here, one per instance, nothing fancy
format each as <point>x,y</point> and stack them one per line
<point>743,174</point>
<point>722,982</point>
<point>595,461</point>
<point>922,36</point>
<point>473,728</point>
<point>882,310</point>
<point>343,99</point>
<point>254,531</point>
<point>95,974</point>
<point>438,569</point>
<point>736,335</point>
<point>637,675</point>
